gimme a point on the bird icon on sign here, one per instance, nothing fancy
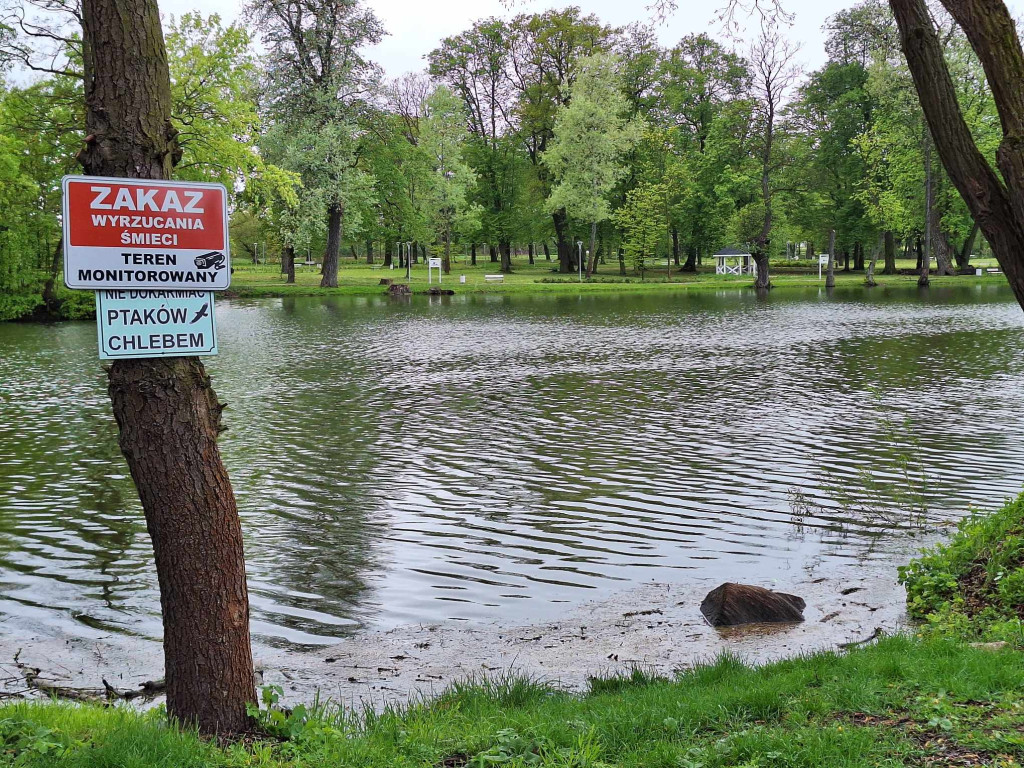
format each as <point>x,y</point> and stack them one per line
<point>201,313</point>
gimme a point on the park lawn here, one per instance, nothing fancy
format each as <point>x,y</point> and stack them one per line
<point>359,278</point>
<point>903,701</point>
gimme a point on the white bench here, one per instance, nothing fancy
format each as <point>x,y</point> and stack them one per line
<point>494,278</point>
<point>994,271</point>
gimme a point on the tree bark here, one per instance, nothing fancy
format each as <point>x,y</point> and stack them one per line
<point>690,265</point>
<point>167,413</point>
<point>389,257</point>
<point>493,252</point>
<point>963,257</point>
<point>858,256</point>
<point>998,209</point>
<point>830,276</point>
<point>505,248</point>
<point>622,261</point>
<point>592,260</point>
<point>446,259</point>
<point>565,256</point>
<point>675,246</point>
<point>333,250</point>
<point>288,263</point>
<point>531,254</point>
<point>890,253</point>
<point>369,251</point>
<point>472,254</point>
<point>547,252</point>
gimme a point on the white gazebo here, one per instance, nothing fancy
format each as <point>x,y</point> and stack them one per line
<point>734,261</point>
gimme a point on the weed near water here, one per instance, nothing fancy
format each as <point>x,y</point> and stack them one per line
<point>901,702</point>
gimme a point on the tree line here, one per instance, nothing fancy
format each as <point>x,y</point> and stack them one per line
<point>534,133</point>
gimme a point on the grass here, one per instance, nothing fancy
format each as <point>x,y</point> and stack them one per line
<point>359,278</point>
<point>903,701</point>
<point>972,587</point>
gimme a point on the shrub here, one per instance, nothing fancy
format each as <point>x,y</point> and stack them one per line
<point>973,585</point>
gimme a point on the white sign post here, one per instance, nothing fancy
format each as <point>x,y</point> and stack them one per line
<point>822,262</point>
<point>138,233</point>
<point>433,264</point>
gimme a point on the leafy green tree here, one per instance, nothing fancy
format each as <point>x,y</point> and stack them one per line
<point>316,87</point>
<point>442,139</point>
<point>592,135</point>
<point>644,223</point>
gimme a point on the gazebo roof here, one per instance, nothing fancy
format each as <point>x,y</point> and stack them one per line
<point>732,251</point>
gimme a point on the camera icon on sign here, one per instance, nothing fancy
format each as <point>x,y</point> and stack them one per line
<point>211,260</point>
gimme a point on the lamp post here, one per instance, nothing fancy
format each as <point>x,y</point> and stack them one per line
<point>408,261</point>
<point>579,258</point>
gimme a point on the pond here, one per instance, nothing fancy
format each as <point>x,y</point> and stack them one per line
<point>488,457</point>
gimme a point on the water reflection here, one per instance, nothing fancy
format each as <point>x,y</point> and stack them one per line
<point>470,458</point>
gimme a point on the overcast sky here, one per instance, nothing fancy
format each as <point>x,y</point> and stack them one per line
<point>416,26</point>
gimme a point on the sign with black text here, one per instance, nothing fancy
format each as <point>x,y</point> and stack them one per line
<point>134,323</point>
<point>138,233</point>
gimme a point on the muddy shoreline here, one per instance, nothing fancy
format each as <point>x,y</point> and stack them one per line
<point>655,626</point>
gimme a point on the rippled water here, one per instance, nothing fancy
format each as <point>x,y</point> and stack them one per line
<point>499,457</point>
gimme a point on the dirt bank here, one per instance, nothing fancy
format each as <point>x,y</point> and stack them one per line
<point>655,625</point>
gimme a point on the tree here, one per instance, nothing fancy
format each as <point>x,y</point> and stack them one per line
<point>166,410</point>
<point>316,86</point>
<point>704,107</point>
<point>591,136</point>
<point>644,223</point>
<point>774,74</point>
<point>546,50</point>
<point>442,138</point>
<point>996,200</point>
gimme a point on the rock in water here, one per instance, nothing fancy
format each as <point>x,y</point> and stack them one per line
<point>732,604</point>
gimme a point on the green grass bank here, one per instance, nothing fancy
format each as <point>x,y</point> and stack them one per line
<point>903,701</point>
<point>359,278</point>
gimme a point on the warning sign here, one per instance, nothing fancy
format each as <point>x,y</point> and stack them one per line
<point>135,233</point>
<point>155,323</point>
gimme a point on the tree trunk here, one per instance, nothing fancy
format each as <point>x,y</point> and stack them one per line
<point>991,30</point>
<point>505,247</point>
<point>963,257</point>
<point>690,265</point>
<point>167,413</point>
<point>369,251</point>
<point>846,259</point>
<point>810,250</point>
<point>890,253</point>
<point>675,246</point>
<point>858,256</point>
<point>830,275</point>
<point>493,253</point>
<point>333,250</point>
<point>922,264</point>
<point>547,252</point>
<point>869,279</point>
<point>389,257</point>
<point>622,261</point>
<point>565,260</point>
<point>592,261</point>
<point>446,260</point>
<point>288,263</point>
<point>763,280</point>
<point>472,254</point>
<point>531,254</point>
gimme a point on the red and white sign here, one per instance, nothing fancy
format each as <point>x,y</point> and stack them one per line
<point>137,233</point>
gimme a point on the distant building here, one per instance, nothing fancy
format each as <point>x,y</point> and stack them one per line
<point>735,261</point>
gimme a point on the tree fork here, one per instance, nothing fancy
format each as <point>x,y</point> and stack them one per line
<point>167,412</point>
